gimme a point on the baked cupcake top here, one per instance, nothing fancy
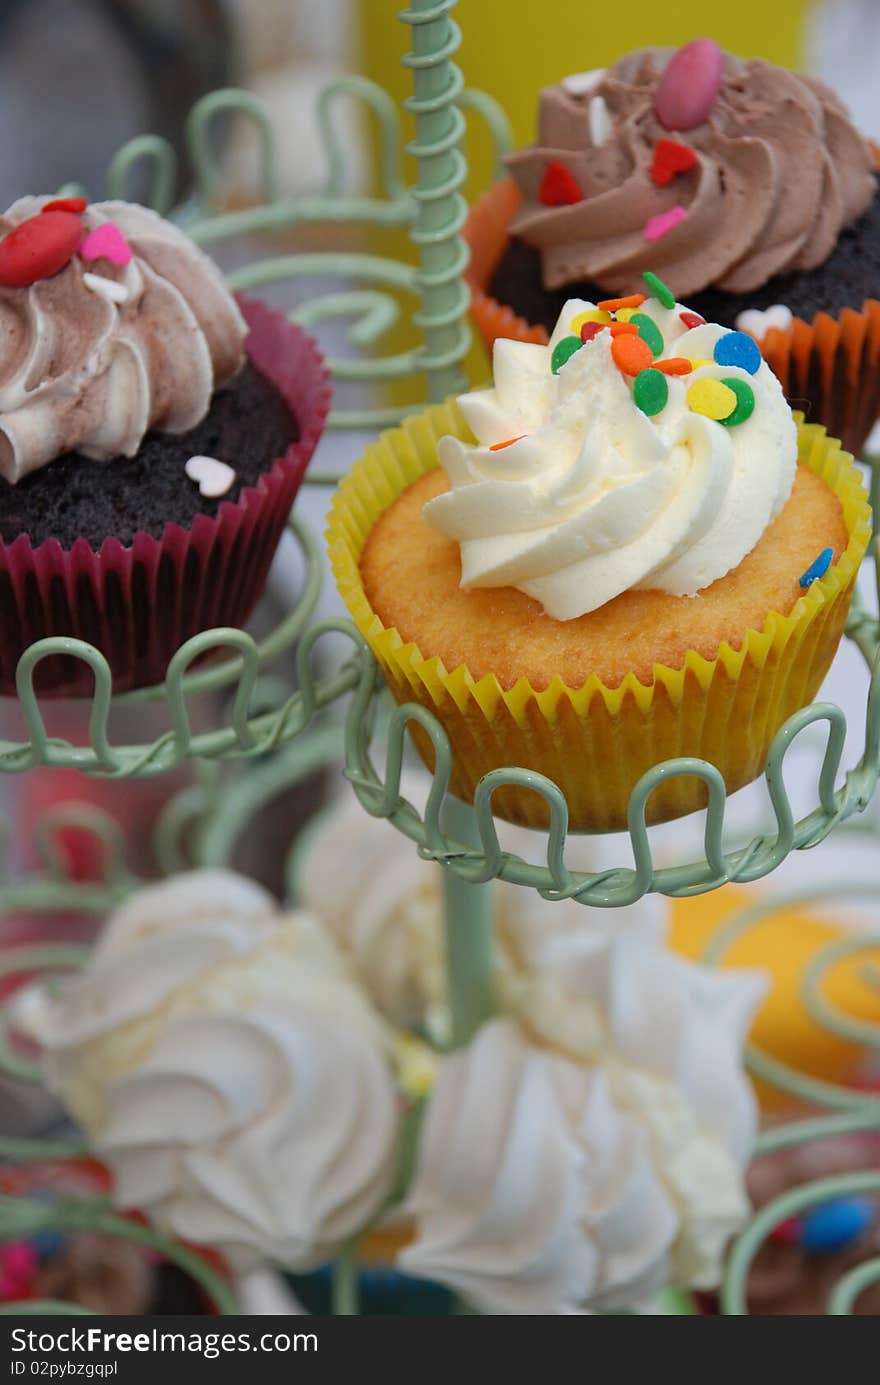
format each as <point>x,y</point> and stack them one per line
<point>714,169</point>
<point>642,447</point>
<point>112,322</point>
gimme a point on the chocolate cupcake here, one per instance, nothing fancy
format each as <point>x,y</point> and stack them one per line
<point>747,187</point>
<point>153,434</point>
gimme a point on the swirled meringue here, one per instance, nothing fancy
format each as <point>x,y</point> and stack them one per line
<point>383,906</point>
<point>81,371</point>
<point>584,1164</point>
<point>227,1069</point>
<point>780,171</point>
<point>590,497</point>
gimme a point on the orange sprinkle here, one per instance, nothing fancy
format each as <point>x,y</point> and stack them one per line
<point>610,305</point>
<point>497,446</point>
<point>675,365</point>
<point>631,354</point>
<point>624,329</point>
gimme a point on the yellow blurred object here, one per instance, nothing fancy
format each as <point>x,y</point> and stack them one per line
<point>783,944</point>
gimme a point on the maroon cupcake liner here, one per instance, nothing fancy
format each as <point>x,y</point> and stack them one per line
<point>139,603</point>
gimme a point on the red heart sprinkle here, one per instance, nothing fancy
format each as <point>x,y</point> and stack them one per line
<point>66,204</point>
<point>559,187</point>
<point>670,158</point>
<point>692,319</point>
<point>38,248</point>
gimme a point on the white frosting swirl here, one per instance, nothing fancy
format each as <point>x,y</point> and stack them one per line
<point>591,1149</point>
<point>228,1070</point>
<point>596,497</point>
<point>92,371</point>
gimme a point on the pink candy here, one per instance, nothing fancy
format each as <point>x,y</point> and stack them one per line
<point>664,222</point>
<point>106,242</point>
<point>687,90</point>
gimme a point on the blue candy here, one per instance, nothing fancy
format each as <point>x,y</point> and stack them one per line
<point>835,1225</point>
<point>735,348</point>
<point>817,568</point>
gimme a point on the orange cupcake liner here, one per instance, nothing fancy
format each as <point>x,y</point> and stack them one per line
<point>596,742</point>
<point>829,367</point>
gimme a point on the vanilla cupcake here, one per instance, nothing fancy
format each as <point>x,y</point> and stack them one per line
<point>626,551</point>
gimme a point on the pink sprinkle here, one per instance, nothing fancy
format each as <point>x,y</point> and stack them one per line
<point>664,222</point>
<point>106,242</point>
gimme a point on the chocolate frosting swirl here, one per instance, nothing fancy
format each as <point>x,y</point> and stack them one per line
<point>781,170</point>
<point>81,371</point>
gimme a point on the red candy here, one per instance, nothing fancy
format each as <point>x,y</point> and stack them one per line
<point>38,248</point>
<point>687,90</point>
<point>559,187</point>
<point>592,329</point>
<point>670,159</point>
<point>66,204</point>
<point>692,319</point>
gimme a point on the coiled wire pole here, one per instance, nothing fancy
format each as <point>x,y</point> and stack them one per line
<point>443,256</point>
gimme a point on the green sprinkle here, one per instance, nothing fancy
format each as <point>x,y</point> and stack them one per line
<point>649,332</point>
<point>745,401</point>
<point>659,290</point>
<point>561,352</point>
<point>651,391</point>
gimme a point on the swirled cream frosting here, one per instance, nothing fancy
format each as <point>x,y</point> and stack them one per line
<point>763,184</point>
<point>596,470</point>
<point>135,331</point>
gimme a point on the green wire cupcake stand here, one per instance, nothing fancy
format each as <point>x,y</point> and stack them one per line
<point>274,737</point>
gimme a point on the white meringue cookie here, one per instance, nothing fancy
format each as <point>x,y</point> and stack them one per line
<point>227,1068</point>
<point>590,1151</point>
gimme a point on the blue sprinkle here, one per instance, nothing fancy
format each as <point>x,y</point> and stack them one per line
<point>818,568</point>
<point>835,1225</point>
<point>735,348</point>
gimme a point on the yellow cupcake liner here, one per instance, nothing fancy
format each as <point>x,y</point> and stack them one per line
<point>596,742</point>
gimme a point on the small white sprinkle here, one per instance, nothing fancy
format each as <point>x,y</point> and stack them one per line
<point>759,322</point>
<point>600,122</point>
<point>579,83</point>
<point>108,288</point>
<point>213,478</point>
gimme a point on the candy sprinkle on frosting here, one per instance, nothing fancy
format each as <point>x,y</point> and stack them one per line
<point>650,391</point>
<point>660,225</point>
<point>664,295</point>
<point>745,401</point>
<point>675,365</point>
<point>592,329</point>
<point>649,332</point>
<point>613,305</point>
<point>712,399</point>
<point>817,569</point>
<point>691,319</point>
<point>590,315</point>
<point>562,351</point>
<point>735,348</point>
<point>670,159</point>
<point>559,187</point>
<point>508,442</point>
<point>630,354</point>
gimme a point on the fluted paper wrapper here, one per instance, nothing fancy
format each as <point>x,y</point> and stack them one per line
<point>829,367</point>
<point>595,741</point>
<point>139,603</point>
